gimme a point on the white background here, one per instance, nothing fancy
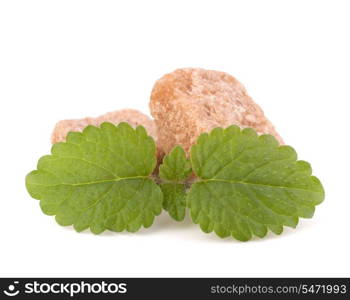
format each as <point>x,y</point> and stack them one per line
<point>71,59</point>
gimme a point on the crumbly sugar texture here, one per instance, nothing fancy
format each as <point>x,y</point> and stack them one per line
<point>188,102</point>
<point>131,116</point>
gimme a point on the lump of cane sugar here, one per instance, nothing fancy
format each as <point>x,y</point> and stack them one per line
<point>131,116</point>
<point>188,102</point>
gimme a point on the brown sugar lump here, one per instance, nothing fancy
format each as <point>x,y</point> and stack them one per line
<point>131,116</point>
<point>190,101</point>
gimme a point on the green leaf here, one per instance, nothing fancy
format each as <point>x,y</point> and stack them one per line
<point>175,167</point>
<point>174,170</point>
<point>248,184</point>
<point>99,179</point>
<point>174,200</point>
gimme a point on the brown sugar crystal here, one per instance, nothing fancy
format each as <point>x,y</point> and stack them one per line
<point>189,101</point>
<point>131,116</point>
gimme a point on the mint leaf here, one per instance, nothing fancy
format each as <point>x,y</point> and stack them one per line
<point>99,179</point>
<point>175,167</point>
<point>174,170</point>
<point>248,184</point>
<point>174,200</point>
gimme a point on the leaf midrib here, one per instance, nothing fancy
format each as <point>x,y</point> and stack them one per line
<point>93,182</point>
<point>257,184</point>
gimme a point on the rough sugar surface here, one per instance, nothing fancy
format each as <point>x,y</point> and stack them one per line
<point>131,116</point>
<point>187,102</point>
